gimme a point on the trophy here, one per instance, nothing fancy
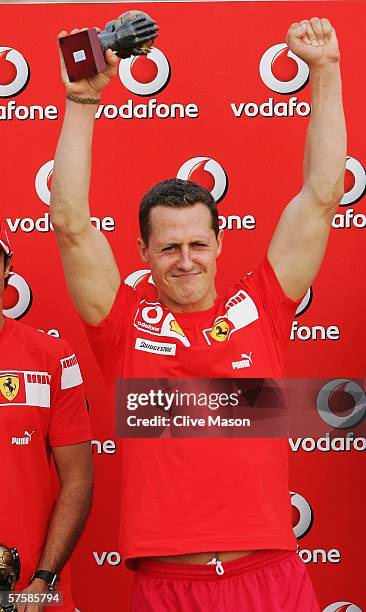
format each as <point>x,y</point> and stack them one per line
<point>132,33</point>
<point>9,573</point>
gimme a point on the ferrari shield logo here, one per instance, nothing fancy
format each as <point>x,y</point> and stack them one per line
<point>220,331</point>
<point>9,386</point>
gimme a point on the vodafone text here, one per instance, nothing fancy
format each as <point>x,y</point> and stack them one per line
<point>328,443</point>
<point>107,447</point>
<point>349,219</point>
<point>111,558</point>
<point>230,222</point>
<point>319,555</point>
<point>44,225</point>
<point>270,109</point>
<point>317,332</point>
<point>151,110</point>
<point>22,113</point>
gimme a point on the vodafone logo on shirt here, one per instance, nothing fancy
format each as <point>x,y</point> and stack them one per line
<point>303,517</point>
<point>19,81</point>
<point>151,319</point>
<point>191,166</point>
<point>274,55</point>
<point>341,403</point>
<point>156,84</point>
<point>17,297</point>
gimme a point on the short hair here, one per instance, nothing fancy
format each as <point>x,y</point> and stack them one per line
<point>175,193</point>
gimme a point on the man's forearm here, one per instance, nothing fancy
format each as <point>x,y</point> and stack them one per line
<point>71,175</point>
<point>326,146</point>
<point>68,519</point>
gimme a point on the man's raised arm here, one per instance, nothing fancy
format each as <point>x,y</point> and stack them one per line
<point>91,272</point>
<point>299,242</point>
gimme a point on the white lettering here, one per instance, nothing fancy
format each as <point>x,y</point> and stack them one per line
<point>270,109</point>
<point>112,558</point>
<point>21,113</point>
<point>247,222</point>
<point>152,109</point>
<point>349,219</point>
<point>44,225</point>
<point>317,332</point>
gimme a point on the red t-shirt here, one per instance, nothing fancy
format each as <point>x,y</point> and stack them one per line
<point>202,495</point>
<point>42,404</point>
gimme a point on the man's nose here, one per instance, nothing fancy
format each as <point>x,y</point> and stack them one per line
<point>185,261</point>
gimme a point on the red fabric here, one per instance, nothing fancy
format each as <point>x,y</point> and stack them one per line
<point>268,581</point>
<point>191,495</point>
<point>42,404</point>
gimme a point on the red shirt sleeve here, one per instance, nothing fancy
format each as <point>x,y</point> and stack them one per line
<point>107,339</point>
<point>69,419</point>
<point>279,308</point>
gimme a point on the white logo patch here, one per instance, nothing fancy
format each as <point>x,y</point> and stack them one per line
<point>245,362</point>
<point>161,348</point>
<point>23,441</point>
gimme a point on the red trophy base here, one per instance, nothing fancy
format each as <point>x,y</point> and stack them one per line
<point>83,55</point>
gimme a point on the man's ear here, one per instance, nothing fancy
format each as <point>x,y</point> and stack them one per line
<point>142,249</point>
<point>220,237</point>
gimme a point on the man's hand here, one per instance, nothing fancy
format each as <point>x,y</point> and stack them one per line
<point>93,87</point>
<point>37,586</point>
<point>314,41</point>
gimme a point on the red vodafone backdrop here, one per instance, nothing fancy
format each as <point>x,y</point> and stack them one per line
<point>221,102</point>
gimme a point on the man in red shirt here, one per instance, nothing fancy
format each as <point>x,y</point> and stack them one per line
<point>42,414</point>
<point>193,506</point>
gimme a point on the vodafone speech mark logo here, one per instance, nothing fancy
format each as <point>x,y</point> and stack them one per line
<point>305,516</point>
<point>266,66</point>
<point>342,606</point>
<point>21,78</point>
<point>340,393</point>
<point>43,177</point>
<point>359,188</point>
<point>153,87</point>
<point>187,170</point>
<point>17,297</point>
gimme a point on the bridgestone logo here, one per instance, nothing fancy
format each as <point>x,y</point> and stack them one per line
<point>161,348</point>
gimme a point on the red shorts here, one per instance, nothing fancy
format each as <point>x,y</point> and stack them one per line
<point>266,581</point>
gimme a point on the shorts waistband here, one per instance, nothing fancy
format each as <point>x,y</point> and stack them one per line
<point>190,571</point>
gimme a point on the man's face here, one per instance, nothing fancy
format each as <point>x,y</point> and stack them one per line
<point>182,254</point>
